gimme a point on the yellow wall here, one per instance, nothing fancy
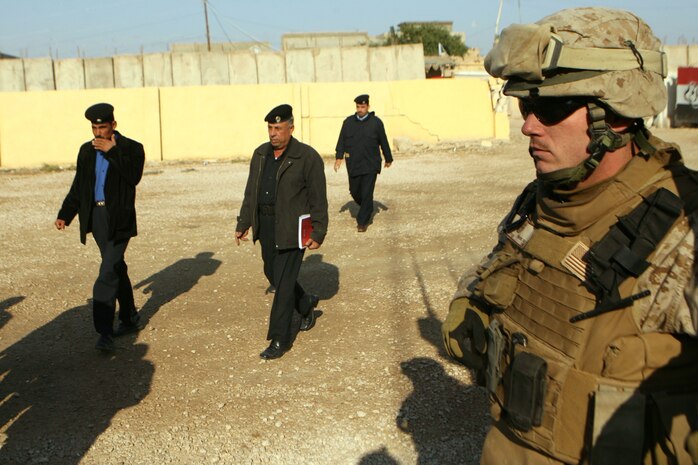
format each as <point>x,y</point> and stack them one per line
<point>39,128</point>
<point>212,122</point>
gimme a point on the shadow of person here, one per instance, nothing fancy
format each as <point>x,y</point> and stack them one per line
<point>447,419</point>
<point>430,325</point>
<point>318,277</point>
<point>377,208</point>
<point>380,457</point>
<point>353,208</point>
<point>5,316</point>
<point>58,394</point>
<point>174,280</point>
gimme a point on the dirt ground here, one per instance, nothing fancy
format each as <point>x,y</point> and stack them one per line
<point>369,385</point>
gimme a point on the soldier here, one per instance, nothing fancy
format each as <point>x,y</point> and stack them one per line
<point>360,141</point>
<point>103,195</point>
<point>581,322</point>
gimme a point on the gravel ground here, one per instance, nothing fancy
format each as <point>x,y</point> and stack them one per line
<point>369,385</point>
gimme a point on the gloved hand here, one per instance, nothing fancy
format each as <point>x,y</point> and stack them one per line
<point>464,334</point>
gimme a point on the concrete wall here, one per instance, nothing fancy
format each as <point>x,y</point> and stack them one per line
<point>323,40</point>
<point>300,66</point>
<point>355,66</point>
<point>242,68</point>
<point>271,68</point>
<point>681,55</point>
<point>12,75</point>
<point>157,70</point>
<point>38,74</point>
<point>128,71</point>
<point>186,69</point>
<point>346,64</point>
<point>69,73</point>
<point>99,73</point>
<point>214,69</point>
<point>197,122</point>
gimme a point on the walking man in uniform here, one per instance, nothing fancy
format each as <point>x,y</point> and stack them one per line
<point>581,322</point>
<point>360,141</point>
<point>286,180</point>
<point>103,195</point>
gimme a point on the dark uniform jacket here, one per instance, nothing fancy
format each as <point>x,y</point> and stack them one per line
<point>126,161</point>
<point>360,142</point>
<point>300,189</point>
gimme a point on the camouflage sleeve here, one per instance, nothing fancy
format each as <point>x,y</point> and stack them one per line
<point>673,282</point>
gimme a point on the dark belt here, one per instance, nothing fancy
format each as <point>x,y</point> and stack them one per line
<point>100,203</point>
<point>266,210</point>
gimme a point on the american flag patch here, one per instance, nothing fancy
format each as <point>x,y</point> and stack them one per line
<point>574,260</point>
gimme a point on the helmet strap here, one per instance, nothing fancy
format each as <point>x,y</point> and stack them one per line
<point>603,139</point>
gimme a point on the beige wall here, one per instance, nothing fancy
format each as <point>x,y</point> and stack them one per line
<point>214,122</point>
<point>39,128</point>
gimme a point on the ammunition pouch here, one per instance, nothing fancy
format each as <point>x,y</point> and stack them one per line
<point>496,344</point>
<point>525,391</point>
<point>618,427</point>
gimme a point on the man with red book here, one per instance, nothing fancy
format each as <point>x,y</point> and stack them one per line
<point>286,180</point>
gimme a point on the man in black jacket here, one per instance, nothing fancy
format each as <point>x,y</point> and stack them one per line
<point>103,195</point>
<point>360,141</point>
<point>286,180</point>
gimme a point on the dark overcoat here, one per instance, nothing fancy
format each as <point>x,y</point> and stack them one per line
<point>300,189</point>
<point>360,143</point>
<point>126,162</point>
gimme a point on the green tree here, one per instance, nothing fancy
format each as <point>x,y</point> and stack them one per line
<point>430,36</point>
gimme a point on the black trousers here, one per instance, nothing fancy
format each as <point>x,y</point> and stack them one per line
<point>361,189</point>
<point>113,283</point>
<point>281,268</point>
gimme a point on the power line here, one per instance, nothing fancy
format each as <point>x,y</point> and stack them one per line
<point>239,29</point>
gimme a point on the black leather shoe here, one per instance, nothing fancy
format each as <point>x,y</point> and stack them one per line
<point>270,290</point>
<point>275,350</point>
<point>105,343</point>
<point>308,321</point>
<point>127,328</point>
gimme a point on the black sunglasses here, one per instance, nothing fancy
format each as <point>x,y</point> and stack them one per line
<point>550,110</point>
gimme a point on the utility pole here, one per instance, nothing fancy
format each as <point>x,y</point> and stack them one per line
<point>496,26</point>
<point>208,36</point>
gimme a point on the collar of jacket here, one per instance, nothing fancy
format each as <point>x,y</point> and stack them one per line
<point>366,118</point>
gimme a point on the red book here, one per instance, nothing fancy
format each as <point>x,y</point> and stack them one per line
<point>305,227</point>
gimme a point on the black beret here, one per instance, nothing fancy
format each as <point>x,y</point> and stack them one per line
<point>100,113</point>
<point>363,98</point>
<point>278,114</point>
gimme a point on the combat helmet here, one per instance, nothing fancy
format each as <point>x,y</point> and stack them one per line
<point>608,56</point>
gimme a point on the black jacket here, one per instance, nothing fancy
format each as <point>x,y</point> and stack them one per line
<point>300,189</point>
<point>126,161</point>
<point>360,142</point>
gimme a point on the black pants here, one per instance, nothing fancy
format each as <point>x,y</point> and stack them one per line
<point>113,283</point>
<point>361,190</point>
<point>281,268</point>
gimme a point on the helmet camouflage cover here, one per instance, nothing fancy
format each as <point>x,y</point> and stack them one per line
<point>608,54</point>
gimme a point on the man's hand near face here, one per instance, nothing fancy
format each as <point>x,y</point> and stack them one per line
<point>104,145</point>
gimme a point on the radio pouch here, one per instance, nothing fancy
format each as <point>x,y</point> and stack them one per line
<point>525,393</point>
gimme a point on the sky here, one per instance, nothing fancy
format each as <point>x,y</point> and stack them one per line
<point>92,28</point>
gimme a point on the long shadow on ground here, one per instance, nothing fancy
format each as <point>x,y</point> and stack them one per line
<point>58,394</point>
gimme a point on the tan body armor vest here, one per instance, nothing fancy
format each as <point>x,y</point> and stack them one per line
<point>598,369</point>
